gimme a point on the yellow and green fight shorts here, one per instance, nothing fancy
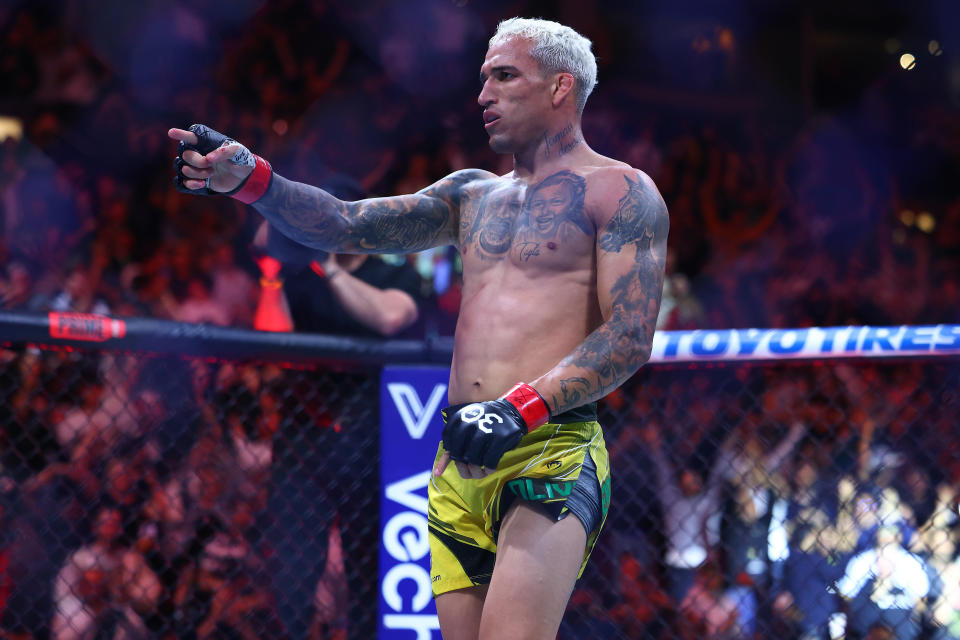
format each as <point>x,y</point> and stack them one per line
<point>562,466</point>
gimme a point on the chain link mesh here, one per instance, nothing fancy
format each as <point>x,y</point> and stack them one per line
<point>163,497</point>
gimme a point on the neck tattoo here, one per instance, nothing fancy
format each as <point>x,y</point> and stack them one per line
<point>562,141</point>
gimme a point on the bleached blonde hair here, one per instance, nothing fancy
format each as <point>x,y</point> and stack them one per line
<point>556,48</point>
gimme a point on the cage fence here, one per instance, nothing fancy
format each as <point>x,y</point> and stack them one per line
<point>170,496</point>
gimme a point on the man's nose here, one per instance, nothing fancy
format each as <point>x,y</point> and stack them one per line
<point>486,97</point>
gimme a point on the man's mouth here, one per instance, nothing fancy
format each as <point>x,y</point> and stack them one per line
<point>489,117</point>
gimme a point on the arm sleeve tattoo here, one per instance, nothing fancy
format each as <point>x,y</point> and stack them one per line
<point>311,216</point>
<point>631,261</point>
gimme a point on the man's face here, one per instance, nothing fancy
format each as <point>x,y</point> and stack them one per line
<point>548,207</point>
<point>515,96</point>
<point>496,220</point>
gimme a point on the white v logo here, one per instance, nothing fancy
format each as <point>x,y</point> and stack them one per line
<point>416,416</point>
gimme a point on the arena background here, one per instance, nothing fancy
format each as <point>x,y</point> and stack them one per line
<point>161,479</point>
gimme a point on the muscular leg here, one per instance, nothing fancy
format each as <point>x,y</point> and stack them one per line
<point>538,559</point>
<point>459,612</point>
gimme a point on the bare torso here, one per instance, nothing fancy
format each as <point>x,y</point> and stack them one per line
<point>530,278</point>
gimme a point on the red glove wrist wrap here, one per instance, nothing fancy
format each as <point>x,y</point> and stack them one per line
<point>256,184</point>
<point>531,406</point>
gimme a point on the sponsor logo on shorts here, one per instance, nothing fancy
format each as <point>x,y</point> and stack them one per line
<point>553,464</point>
<point>539,489</point>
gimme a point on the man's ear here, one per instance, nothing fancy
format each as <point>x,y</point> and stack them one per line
<point>562,87</point>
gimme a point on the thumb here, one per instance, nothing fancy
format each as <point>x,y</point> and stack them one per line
<point>441,465</point>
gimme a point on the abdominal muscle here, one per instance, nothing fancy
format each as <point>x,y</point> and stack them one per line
<point>514,328</point>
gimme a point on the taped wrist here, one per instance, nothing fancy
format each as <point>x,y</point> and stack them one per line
<point>256,184</point>
<point>249,191</point>
<point>531,405</point>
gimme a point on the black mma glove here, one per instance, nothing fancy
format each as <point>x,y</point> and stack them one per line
<point>208,140</point>
<point>481,432</point>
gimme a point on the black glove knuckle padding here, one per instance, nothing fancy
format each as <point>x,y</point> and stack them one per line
<point>495,453</point>
<point>207,141</point>
<point>466,443</point>
<point>454,440</point>
<point>476,450</point>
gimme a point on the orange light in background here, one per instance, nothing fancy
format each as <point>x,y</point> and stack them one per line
<point>725,39</point>
<point>907,217</point>
<point>934,48</point>
<point>10,128</point>
<point>926,222</point>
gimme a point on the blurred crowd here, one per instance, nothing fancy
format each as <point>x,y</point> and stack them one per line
<point>163,498</point>
<point>800,503</point>
<point>844,216</point>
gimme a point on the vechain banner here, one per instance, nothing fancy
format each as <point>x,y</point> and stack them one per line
<point>410,428</point>
<point>810,342</point>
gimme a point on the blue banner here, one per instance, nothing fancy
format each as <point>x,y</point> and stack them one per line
<point>410,429</point>
<point>806,343</point>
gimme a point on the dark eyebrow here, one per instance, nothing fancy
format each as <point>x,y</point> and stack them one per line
<point>507,68</point>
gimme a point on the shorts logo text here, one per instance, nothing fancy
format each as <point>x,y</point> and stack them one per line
<point>540,489</point>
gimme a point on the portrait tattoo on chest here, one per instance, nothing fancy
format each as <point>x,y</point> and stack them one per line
<point>551,209</point>
<point>497,214</point>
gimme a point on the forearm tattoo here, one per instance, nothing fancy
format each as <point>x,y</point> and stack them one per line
<point>399,224</point>
<point>621,345</point>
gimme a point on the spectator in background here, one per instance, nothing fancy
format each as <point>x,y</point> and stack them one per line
<point>752,484</point>
<point>945,603</point>
<point>708,609</point>
<point>358,295</point>
<point>200,306</point>
<point>16,286</point>
<point>942,518</point>
<point>232,572</point>
<point>807,598</point>
<point>104,588</point>
<point>233,288</point>
<point>331,601</point>
<point>690,517</point>
<point>885,584</point>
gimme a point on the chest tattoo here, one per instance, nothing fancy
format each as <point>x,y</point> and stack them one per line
<point>511,217</point>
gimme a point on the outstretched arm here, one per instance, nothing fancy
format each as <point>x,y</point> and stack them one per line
<point>398,224</point>
<point>631,260</point>
<point>311,216</point>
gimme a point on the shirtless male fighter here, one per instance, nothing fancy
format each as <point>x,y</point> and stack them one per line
<point>563,265</point>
